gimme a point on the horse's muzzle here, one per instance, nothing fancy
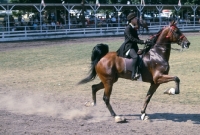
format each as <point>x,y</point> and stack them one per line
<point>185,44</point>
<point>188,44</point>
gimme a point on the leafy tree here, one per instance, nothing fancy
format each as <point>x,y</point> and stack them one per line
<point>112,1</point>
<point>38,1</point>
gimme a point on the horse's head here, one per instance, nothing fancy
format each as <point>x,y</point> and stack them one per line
<point>174,35</point>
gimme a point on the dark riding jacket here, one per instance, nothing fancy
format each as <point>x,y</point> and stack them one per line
<point>131,40</point>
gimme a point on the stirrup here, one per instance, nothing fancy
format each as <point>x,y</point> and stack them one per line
<point>137,76</point>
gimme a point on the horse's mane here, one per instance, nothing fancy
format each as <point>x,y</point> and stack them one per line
<point>154,37</point>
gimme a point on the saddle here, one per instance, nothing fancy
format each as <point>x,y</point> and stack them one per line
<point>140,51</point>
<point>129,62</point>
<point>129,66</point>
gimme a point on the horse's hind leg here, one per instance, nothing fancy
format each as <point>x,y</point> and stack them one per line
<point>150,93</point>
<point>95,88</point>
<point>106,98</point>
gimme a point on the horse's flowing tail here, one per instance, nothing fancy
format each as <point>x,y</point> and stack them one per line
<point>98,52</point>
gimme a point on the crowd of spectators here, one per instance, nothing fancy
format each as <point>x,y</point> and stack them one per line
<point>32,22</point>
<point>101,20</point>
<point>51,22</point>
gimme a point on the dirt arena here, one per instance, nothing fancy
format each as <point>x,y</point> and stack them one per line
<point>46,112</point>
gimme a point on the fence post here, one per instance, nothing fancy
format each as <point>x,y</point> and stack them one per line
<point>3,35</point>
<point>25,32</point>
<point>194,9</point>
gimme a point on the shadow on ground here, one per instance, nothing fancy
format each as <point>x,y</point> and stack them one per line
<point>195,118</point>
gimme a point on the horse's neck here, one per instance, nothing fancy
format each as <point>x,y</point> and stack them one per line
<point>163,41</point>
<point>163,47</point>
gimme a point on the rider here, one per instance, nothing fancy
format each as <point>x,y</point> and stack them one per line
<point>130,48</point>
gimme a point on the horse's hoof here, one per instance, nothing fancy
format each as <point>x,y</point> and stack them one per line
<point>170,91</point>
<point>144,117</point>
<point>119,119</point>
<point>88,104</point>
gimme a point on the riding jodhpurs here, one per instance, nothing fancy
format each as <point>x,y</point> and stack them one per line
<point>134,56</point>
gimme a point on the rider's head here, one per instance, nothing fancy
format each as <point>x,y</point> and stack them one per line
<point>132,18</point>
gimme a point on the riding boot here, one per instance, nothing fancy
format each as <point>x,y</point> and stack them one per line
<point>138,67</point>
<point>134,75</point>
<point>137,74</point>
<point>134,56</point>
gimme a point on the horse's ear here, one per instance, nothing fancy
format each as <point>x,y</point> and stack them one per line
<point>172,22</point>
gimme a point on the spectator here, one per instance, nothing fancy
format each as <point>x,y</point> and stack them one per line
<point>19,18</point>
<point>53,24</point>
<point>114,21</point>
<point>12,21</point>
<point>107,17</point>
<point>44,26</point>
<point>35,26</point>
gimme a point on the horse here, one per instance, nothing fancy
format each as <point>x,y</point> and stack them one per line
<point>154,67</point>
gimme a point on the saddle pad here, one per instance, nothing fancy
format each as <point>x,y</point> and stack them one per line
<point>128,64</point>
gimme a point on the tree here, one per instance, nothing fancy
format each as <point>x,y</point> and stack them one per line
<point>112,1</point>
<point>36,1</point>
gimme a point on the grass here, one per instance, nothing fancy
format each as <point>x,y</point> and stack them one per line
<point>59,67</point>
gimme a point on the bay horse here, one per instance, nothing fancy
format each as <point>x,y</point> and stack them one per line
<point>154,67</point>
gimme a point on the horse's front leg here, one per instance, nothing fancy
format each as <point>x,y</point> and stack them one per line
<point>150,93</point>
<point>168,78</point>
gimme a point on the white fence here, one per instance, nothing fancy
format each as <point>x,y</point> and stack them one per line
<point>30,21</point>
<point>81,32</point>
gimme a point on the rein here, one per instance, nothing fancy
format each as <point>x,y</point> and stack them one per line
<point>175,49</point>
<point>168,35</point>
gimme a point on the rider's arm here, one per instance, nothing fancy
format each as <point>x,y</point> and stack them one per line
<point>132,38</point>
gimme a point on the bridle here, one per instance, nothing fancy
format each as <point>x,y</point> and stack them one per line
<point>173,32</point>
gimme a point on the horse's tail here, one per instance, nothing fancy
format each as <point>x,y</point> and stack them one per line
<point>98,52</point>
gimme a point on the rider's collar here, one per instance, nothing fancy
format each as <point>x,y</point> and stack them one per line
<point>131,25</point>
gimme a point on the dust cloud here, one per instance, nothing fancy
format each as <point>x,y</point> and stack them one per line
<point>49,106</point>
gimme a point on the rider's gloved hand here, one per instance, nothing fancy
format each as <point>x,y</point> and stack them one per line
<point>148,42</point>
